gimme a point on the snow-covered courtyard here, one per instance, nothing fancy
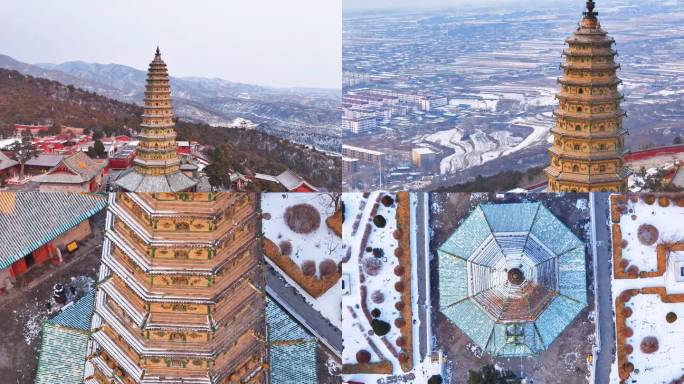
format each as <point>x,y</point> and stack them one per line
<point>649,296</point>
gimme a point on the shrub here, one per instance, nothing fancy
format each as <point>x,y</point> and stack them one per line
<point>286,247</point>
<point>625,297</point>
<point>649,199</point>
<point>628,367</point>
<point>628,332</point>
<point>399,305</point>
<point>399,322</point>
<point>403,356</point>
<point>397,234</point>
<point>629,349</point>
<point>327,268</point>
<point>379,221</point>
<point>376,312</point>
<point>624,243</point>
<point>302,218</point>
<point>387,201</point>
<point>378,252</point>
<point>671,317</point>
<point>398,251</point>
<point>648,234</point>
<point>266,216</point>
<point>363,356</point>
<point>663,201</point>
<point>399,286</point>
<point>399,270</point>
<point>378,297</point>
<point>400,341</point>
<point>633,270</point>
<point>435,379</point>
<point>372,266</point>
<point>309,268</point>
<point>369,249</point>
<point>627,311</point>
<point>381,328</point>
<point>649,344</point>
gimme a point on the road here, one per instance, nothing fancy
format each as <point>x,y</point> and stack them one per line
<point>604,360</point>
<point>423,272</point>
<point>295,304</point>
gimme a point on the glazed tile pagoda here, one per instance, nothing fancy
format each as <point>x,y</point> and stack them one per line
<point>587,154</point>
<point>512,277</point>
<point>180,291</point>
<point>157,165</point>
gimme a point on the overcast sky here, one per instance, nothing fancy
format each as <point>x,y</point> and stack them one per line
<point>266,42</point>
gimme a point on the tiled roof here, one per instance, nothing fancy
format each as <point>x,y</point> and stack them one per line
<point>83,169</point>
<point>502,317</point>
<point>78,314</point>
<point>28,220</point>
<point>292,349</point>
<point>62,355</point>
<point>44,160</point>
<point>6,162</point>
<point>135,182</point>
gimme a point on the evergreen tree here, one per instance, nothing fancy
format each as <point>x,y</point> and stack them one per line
<point>490,375</point>
<point>24,150</point>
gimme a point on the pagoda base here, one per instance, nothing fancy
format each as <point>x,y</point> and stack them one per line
<point>133,181</point>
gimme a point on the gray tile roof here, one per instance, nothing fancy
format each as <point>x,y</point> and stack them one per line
<point>28,220</point>
<point>44,160</point>
<point>83,167</point>
<point>133,181</point>
<point>6,162</point>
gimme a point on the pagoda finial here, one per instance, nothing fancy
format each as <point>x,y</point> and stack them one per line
<point>590,9</point>
<point>157,53</point>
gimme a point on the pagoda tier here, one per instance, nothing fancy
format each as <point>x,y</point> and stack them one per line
<point>181,291</point>
<point>587,154</point>
<point>157,164</point>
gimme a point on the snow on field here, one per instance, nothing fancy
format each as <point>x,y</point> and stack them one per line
<point>540,123</point>
<point>664,219</point>
<point>648,319</point>
<point>478,148</point>
<point>318,245</point>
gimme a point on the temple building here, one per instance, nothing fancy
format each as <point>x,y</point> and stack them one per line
<point>512,277</point>
<point>180,294</point>
<point>157,166</point>
<point>587,154</point>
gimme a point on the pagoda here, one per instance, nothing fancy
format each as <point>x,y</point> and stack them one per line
<point>180,293</point>
<point>587,154</point>
<point>157,166</point>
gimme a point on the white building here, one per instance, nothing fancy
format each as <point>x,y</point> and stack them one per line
<point>359,124</point>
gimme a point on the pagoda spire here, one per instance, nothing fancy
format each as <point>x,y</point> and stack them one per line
<point>157,164</point>
<point>590,9</point>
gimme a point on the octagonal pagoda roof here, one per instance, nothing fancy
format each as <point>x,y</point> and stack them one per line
<point>512,277</point>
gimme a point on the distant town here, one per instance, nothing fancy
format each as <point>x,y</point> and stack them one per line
<point>432,100</point>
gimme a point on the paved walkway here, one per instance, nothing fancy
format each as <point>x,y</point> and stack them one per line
<point>295,304</point>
